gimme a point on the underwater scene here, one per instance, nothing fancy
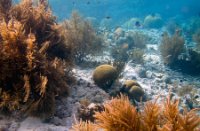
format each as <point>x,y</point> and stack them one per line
<point>99,65</point>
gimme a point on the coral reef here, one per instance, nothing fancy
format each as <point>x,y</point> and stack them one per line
<point>132,39</point>
<point>104,76</point>
<point>153,21</point>
<point>171,48</point>
<point>35,61</point>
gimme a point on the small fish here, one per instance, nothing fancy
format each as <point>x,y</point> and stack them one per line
<point>107,17</point>
<point>88,3</point>
<point>168,56</point>
<point>137,24</point>
<point>125,46</point>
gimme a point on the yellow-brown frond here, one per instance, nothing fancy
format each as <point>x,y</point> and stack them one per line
<point>42,85</point>
<point>119,115</point>
<point>190,121</point>
<point>84,126</point>
<point>27,88</point>
<point>171,113</point>
<point>150,116</point>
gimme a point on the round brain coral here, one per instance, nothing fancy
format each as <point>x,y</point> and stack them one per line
<point>133,89</point>
<point>104,76</point>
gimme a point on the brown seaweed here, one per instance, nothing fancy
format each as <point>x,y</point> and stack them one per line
<point>35,60</point>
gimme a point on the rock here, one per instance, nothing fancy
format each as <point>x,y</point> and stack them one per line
<point>13,126</point>
<point>158,80</point>
<point>57,121</point>
<point>141,72</point>
<point>119,32</point>
<point>149,74</point>
<point>166,79</point>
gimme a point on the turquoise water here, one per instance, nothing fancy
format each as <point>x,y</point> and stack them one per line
<point>121,10</point>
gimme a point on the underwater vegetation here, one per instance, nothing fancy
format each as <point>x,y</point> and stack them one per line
<point>177,55</point>
<point>85,126</point>
<point>129,46</point>
<point>136,55</point>
<point>82,36</point>
<point>196,38</point>
<point>171,48</point>
<point>120,115</point>
<point>35,60</point>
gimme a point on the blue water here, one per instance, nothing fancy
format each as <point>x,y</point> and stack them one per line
<point>122,10</point>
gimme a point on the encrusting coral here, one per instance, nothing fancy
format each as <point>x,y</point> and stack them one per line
<point>35,61</point>
<point>120,115</point>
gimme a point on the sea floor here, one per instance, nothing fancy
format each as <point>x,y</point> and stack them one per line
<point>156,79</point>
